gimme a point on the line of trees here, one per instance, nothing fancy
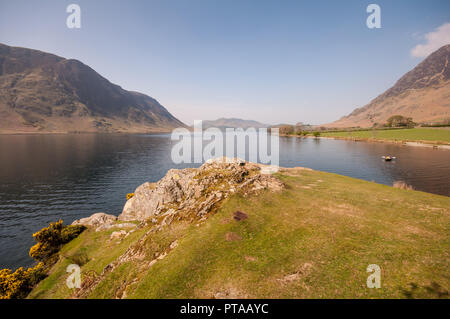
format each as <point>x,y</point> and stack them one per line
<point>395,121</point>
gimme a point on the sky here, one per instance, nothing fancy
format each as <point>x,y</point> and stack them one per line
<point>270,61</point>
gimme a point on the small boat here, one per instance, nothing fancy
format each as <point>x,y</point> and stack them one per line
<point>388,158</point>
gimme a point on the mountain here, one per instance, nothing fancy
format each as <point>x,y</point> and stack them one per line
<point>42,92</point>
<point>423,94</point>
<point>233,123</point>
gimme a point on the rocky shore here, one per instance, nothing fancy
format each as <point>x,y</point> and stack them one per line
<point>189,193</point>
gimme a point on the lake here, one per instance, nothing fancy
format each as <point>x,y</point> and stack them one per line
<point>44,178</point>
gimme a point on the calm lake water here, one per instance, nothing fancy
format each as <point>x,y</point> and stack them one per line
<point>45,178</point>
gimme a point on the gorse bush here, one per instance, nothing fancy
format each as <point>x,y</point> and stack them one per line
<point>18,284</point>
<point>51,238</point>
<point>130,195</point>
<point>15,285</point>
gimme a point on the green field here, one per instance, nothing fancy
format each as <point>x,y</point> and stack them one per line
<point>415,134</point>
<point>314,239</point>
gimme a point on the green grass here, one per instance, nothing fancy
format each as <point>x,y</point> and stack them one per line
<point>99,252</point>
<point>415,134</point>
<point>313,240</point>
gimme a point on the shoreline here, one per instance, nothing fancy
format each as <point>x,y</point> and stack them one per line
<point>83,133</point>
<point>430,144</point>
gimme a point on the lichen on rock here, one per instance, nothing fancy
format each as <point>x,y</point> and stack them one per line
<point>102,222</point>
<point>194,192</point>
<point>96,220</point>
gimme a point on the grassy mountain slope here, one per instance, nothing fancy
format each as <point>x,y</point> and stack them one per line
<point>423,94</point>
<point>314,239</point>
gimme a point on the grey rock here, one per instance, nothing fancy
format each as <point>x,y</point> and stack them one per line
<point>96,220</point>
<point>197,190</point>
<point>118,234</point>
<point>112,225</point>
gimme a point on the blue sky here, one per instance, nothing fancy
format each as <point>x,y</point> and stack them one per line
<point>272,61</point>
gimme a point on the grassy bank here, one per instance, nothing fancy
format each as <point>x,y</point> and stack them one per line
<point>424,135</point>
<point>314,239</point>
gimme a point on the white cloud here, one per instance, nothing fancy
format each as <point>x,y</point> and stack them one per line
<point>434,40</point>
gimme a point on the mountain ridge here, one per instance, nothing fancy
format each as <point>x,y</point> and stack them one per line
<point>422,94</point>
<point>232,122</point>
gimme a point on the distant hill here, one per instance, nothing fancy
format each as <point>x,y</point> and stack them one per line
<point>233,123</point>
<point>41,92</point>
<point>423,94</point>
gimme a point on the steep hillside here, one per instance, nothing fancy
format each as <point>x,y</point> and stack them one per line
<point>41,92</point>
<point>423,94</point>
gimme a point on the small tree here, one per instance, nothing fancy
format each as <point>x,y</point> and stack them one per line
<point>18,284</point>
<point>286,129</point>
<point>298,128</point>
<point>400,121</point>
<point>51,238</point>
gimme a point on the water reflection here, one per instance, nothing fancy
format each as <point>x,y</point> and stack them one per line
<point>46,177</point>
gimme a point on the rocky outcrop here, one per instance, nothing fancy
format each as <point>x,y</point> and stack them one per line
<point>96,220</point>
<point>118,234</point>
<point>189,194</point>
<point>102,221</point>
<point>193,192</point>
